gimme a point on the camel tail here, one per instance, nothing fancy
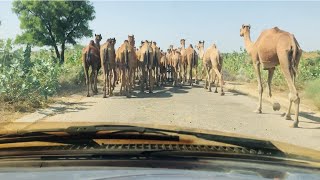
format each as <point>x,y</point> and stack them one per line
<point>126,58</point>
<point>105,57</point>
<point>295,48</point>
<point>193,59</point>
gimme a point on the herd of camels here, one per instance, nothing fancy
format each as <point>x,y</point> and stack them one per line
<point>149,64</point>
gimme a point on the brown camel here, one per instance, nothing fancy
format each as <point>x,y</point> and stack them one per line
<point>91,58</point>
<point>146,62</point>
<point>163,67</point>
<point>212,61</point>
<point>156,62</point>
<point>126,61</point>
<point>275,47</point>
<point>107,54</point>
<point>134,62</point>
<point>192,61</point>
<point>175,64</point>
<point>183,61</point>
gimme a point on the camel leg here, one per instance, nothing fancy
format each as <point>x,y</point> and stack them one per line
<point>214,82</point>
<point>96,82</point>
<point>190,74</point>
<point>86,73</point>
<point>151,83</point>
<point>105,77</point>
<point>293,94</point>
<point>92,80</point>
<point>142,79</point>
<point>121,78</point>
<point>220,79</point>
<point>210,79</point>
<point>260,88</point>
<point>197,76</point>
<point>276,106</point>
<point>207,78</point>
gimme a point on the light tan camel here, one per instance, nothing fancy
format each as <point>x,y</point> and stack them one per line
<point>275,47</point>
<point>212,61</point>
<point>91,58</point>
<point>192,61</point>
<point>108,63</point>
<point>146,62</point>
<point>201,52</point>
<point>126,61</point>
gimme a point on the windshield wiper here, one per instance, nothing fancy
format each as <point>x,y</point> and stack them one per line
<point>86,134</point>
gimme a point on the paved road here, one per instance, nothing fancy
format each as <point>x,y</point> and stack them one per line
<point>188,107</point>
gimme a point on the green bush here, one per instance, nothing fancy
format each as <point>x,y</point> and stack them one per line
<point>28,78</point>
<point>312,91</point>
<point>25,79</point>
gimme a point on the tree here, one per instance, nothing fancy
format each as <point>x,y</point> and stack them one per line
<point>53,23</point>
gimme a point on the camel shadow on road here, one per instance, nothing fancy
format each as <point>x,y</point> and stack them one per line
<point>311,116</point>
<point>158,92</point>
<point>65,107</point>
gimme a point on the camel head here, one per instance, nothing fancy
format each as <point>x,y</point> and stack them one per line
<point>171,47</point>
<point>182,42</point>
<point>98,37</point>
<point>112,41</point>
<point>131,39</point>
<point>244,29</point>
<point>154,43</point>
<point>91,43</point>
<point>200,48</point>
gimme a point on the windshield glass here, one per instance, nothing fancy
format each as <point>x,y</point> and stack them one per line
<point>251,69</point>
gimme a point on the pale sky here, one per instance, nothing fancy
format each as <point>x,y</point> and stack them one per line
<point>215,22</point>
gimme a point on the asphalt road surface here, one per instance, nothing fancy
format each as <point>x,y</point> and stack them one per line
<point>186,107</point>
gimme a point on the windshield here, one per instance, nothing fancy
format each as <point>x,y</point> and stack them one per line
<point>250,69</point>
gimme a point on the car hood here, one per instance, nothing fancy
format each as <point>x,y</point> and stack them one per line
<point>286,148</point>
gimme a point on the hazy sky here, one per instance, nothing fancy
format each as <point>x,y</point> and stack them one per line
<point>218,22</point>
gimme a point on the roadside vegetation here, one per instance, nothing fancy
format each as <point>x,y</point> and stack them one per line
<point>28,78</point>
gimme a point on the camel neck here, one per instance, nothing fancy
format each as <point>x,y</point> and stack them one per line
<point>98,44</point>
<point>183,46</point>
<point>248,43</point>
<point>201,52</point>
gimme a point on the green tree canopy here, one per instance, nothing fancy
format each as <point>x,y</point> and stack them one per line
<point>53,23</point>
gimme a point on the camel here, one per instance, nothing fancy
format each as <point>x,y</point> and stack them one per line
<point>91,58</point>
<point>146,62</point>
<point>107,54</point>
<point>156,62</point>
<point>212,61</point>
<point>183,60</point>
<point>275,47</point>
<point>191,62</point>
<point>134,61</point>
<point>126,61</point>
<point>200,48</point>
<point>175,64</point>
<point>163,67</point>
